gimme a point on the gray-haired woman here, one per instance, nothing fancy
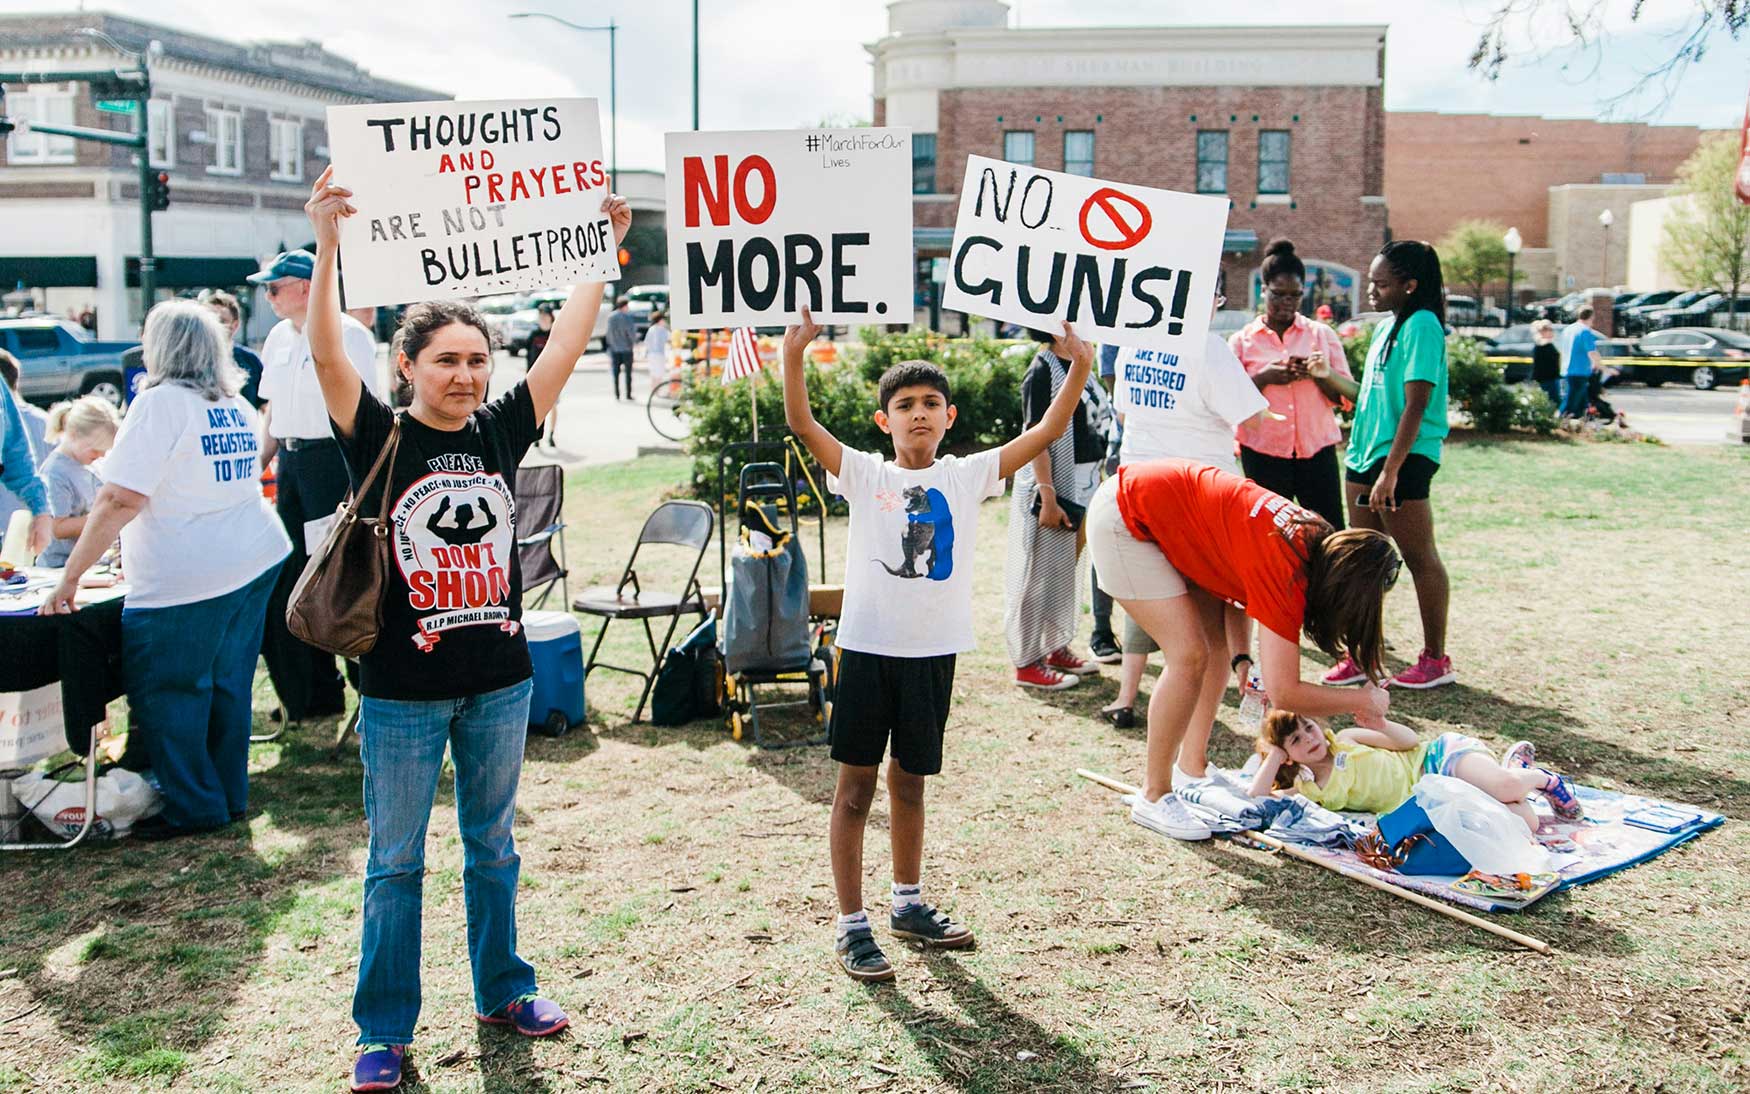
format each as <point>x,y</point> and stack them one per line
<point>201,550</point>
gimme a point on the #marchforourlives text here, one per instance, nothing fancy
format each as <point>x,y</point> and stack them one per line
<point>234,448</point>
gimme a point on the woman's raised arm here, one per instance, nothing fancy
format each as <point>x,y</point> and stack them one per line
<point>334,371</point>
<point>574,325</point>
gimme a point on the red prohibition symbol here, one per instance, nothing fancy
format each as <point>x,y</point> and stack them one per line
<point>1113,230</point>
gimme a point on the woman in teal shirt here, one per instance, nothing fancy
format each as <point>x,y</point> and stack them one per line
<point>1395,444</point>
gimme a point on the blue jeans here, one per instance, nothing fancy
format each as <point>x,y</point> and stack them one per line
<point>190,675</point>
<point>1552,388</point>
<point>1574,398</point>
<point>403,752</point>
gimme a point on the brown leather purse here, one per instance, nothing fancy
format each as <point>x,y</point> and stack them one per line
<point>337,604</point>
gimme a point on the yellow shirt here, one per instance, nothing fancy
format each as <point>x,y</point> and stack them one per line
<point>1365,779</point>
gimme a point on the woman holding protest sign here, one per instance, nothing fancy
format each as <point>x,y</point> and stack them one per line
<point>451,666</point>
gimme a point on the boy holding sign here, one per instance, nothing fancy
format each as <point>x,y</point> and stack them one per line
<point>907,614</point>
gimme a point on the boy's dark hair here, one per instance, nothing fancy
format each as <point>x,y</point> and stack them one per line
<point>421,321</point>
<point>911,374</point>
<point>1035,335</point>
<point>9,369</point>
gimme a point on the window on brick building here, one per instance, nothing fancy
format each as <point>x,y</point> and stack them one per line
<point>1273,161</point>
<point>285,149</point>
<point>1078,152</point>
<point>1212,161</point>
<point>225,134</point>
<point>923,163</point>
<point>160,133</point>
<point>1018,146</point>
<point>51,104</point>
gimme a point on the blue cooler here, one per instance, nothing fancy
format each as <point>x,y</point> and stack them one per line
<point>556,648</point>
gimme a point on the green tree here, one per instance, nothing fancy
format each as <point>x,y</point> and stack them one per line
<point>1707,234</point>
<point>1473,255</point>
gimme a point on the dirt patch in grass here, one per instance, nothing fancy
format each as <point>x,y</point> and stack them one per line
<point>676,896</point>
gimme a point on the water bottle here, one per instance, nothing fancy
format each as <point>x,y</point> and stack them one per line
<point>1253,702</point>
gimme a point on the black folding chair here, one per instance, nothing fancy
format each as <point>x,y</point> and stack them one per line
<point>682,524</point>
<point>540,520</point>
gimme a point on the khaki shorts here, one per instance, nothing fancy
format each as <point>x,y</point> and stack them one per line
<point>1129,568</point>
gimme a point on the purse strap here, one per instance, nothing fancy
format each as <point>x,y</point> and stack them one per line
<point>386,454</point>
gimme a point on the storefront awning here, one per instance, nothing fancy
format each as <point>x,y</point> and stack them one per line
<point>1239,241</point>
<point>195,273</point>
<point>48,272</point>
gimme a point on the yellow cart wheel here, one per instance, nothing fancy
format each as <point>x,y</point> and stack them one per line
<point>735,725</point>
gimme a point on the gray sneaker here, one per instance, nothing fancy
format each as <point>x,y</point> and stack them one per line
<point>1169,817</point>
<point>922,923</point>
<point>862,957</point>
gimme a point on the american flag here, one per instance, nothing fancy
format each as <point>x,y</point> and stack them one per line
<point>744,355</point>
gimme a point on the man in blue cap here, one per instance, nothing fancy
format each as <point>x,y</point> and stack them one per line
<point>312,475</point>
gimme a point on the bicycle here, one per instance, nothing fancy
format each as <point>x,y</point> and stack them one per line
<point>663,408</point>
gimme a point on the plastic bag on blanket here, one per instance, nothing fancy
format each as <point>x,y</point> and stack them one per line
<point>1488,834</point>
<point>123,797</point>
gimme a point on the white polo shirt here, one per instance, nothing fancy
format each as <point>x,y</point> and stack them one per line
<point>288,377</point>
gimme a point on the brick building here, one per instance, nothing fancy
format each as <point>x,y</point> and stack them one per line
<point>1548,177</point>
<point>1287,122</point>
<point>239,128</point>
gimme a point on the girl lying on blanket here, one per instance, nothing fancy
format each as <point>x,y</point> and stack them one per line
<point>1373,767</point>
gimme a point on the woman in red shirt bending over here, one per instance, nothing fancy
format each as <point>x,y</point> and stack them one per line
<point>1172,540</point>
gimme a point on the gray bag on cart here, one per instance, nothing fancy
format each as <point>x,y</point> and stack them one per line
<point>765,608</point>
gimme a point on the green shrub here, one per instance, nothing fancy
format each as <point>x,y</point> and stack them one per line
<point>1355,347</point>
<point>1534,410</point>
<point>1471,378</point>
<point>1494,409</point>
<point>984,381</point>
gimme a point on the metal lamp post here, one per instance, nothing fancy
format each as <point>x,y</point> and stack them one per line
<point>613,88</point>
<point>1605,219</point>
<point>1513,242</point>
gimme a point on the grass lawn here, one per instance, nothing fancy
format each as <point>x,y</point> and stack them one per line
<point>677,901</point>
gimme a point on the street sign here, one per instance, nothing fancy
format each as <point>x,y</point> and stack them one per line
<point>118,106</point>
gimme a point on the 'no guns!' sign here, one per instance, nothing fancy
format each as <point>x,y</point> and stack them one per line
<point>1128,265</point>
<point>470,199</point>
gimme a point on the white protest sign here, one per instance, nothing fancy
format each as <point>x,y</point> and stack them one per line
<point>762,223</point>
<point>461,199</point>
<point>30,726</point>
<point>1129,265</point>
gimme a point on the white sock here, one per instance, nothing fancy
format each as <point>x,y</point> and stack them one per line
<point>856,921</point>
<point>904,896</point>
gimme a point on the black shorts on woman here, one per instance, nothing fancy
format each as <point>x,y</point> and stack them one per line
<point>1414,478</point>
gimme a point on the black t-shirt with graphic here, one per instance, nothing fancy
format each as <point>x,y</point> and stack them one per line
<point>452,606</point>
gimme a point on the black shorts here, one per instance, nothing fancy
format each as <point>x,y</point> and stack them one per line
<point>905,697</point>
<point>1414,477</point>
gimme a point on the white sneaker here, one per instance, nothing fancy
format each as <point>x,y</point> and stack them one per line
<point>1182,781</point>
<point>1169,817</point>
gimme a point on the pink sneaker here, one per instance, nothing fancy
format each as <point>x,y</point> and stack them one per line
<point>1344,673</point>
<point>1040,675</point>
<point>1427,672</point>
<point>1065,661</point>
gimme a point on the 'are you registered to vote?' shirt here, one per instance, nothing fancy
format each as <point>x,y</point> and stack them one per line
<point>452,608</point>
<point>909,551</point>
<point>1198,405</point>
<point>205,529</point>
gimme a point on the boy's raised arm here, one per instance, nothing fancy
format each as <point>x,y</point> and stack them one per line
<point>1021,451</point>
<point>821,444</point>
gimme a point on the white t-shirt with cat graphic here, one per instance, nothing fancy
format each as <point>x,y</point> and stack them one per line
<point>909,551</point>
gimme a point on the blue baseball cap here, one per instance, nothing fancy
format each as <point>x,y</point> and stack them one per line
<point>286,264</point>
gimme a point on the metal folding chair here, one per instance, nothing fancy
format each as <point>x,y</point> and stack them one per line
<point>678,523</point>
<point>540,520</point>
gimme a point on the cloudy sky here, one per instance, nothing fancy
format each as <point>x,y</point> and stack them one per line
<point>784,63</point>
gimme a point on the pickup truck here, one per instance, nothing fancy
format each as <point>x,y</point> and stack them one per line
<point>60,360</point>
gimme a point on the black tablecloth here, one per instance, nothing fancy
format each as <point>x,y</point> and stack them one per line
<point>82,650</point>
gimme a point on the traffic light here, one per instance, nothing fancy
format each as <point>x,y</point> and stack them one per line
<point>625,257</point>
<point>158,192</point>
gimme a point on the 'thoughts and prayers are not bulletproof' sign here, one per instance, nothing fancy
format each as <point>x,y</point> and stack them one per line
<point>461,199</point>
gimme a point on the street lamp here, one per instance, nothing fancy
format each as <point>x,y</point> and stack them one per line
<point>1513,242</point>
<point>1605,219</point>
<point>613,88</point>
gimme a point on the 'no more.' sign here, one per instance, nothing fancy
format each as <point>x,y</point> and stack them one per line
<point>1128,265</point>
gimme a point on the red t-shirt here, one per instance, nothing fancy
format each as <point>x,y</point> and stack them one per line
<point>1224,534</point>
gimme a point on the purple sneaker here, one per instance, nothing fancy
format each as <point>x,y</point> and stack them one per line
<point>1561,797</point>
<point>1519,754</point>
<point>378,1067</point>
<point>1344,673</point>
<point>1428,672</point>
<point>530,1015</point>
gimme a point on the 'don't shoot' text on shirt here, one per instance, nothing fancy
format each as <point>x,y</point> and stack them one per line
<point>909,551</point>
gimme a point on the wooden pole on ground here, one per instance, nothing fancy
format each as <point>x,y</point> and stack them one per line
<point>1268,843</point>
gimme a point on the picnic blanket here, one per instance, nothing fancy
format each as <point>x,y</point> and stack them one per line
<point>1600,844</point>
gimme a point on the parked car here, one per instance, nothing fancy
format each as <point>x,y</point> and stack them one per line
<point>1464,311</point>
<point>1703,356</point>
<point>528,313</point>
<point>503,314</point>
<point>59,360</point>
<point>1637,316</point>
<point>1511,349</point>
<point>644,299</point>
<point>1630,314</point>
<point>1693,314</point>
<point>1731,314</point>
